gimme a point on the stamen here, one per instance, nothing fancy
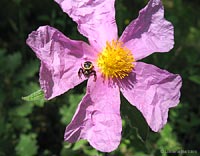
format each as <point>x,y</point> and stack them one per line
<point>115,61</point>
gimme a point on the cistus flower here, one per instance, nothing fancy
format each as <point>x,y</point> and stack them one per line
<point>111,64</point>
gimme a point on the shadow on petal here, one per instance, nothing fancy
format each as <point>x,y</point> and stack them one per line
<point>126,83</point>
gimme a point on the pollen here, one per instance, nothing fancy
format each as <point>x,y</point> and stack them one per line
<point>115,60</point>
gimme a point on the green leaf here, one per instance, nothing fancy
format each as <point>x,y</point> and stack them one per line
<point>74,99</point>
<point>27,145</point>
<point>10,63</point>
<point>31,88</point>
<point>21,124</point>
<point>134,119</point>
<point>168,139</point>
<point>38,95</point>
<point>90,152</point>
<point>13,61</point>
<point>66,150</point>
<point>67,111</point>
<point>22,110</point>
<point>79,144</point>
<point>28,70</point>
<point>195,79</point>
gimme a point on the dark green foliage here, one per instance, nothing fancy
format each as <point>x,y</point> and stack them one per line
<point>34,126</point>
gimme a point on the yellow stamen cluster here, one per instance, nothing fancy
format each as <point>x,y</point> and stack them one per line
<point>115,60</point>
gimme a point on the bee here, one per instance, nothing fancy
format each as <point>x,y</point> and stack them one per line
<point>87,70</point>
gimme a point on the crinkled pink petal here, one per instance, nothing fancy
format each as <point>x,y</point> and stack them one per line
<point>154,92</point>
<point>60,58</point>
<point>97,118</point>
<point>95,19</point>
<point>150,32</point>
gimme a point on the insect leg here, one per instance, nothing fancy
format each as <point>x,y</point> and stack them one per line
<point>95,75</point>
<point>80,72</point>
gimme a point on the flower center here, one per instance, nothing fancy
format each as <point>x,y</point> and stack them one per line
<point>115,61</point>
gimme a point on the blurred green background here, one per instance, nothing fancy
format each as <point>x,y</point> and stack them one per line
<point>36,128</point>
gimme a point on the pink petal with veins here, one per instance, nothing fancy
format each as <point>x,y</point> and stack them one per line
<point>97,118</point>
<point>150,32</point>
<point>154,92</point>
<point>95,19</point>
<point>60,58</point>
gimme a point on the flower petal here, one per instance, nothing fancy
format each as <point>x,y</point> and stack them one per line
<point>60,58</point>
<point>155,91</point>
<point>95,19</point>
<point>97,118</point>
<point>150,32</point>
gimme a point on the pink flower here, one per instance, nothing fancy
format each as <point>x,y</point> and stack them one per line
<point>114,68</point>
